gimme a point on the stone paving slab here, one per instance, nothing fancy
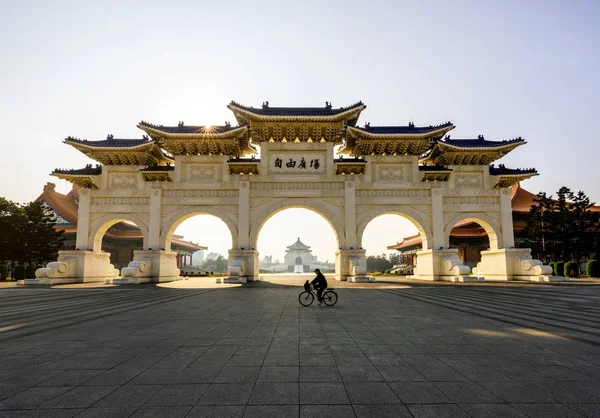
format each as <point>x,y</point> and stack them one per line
<point>253,351</point>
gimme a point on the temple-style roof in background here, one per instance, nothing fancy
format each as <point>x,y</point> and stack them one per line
<point>81,177</point>
<point>507,177</point>
<point>113,151</point>
<point>246,114</point>
<point>381,140</point>
<point>298,245</point>
<point>521,202</point>
<point>66,207</point>
<point>201,140</point>
<point>478,151</point>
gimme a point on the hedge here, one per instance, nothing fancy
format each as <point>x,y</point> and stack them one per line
<point>30,271</point>
<point>4,271</point>
<point>559,268</point>
<point>571,269</point>
<point>592,268</point>
<point>19,272</point>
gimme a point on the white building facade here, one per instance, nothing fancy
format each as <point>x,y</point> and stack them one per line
<point>176,172</point>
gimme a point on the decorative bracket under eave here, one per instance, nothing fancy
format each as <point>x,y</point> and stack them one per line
<point>243,166</point>
<point>350,166</point>
<point>157,173</point>
<point>434,173</point>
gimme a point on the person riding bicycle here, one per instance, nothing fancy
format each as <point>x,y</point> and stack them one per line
<point>320,284</point>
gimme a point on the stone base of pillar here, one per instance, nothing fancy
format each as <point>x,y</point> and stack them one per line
<point>514,264</point>
<point>231,280</point>
<point>442,265</point>
<point>350,264</point>
<point>75,267</point>
<point>242,267</point>
<point>361,279</point>
<point>149,266</point>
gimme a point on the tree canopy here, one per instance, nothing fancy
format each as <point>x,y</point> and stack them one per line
<point>28,234</point>
<point>564,227</point>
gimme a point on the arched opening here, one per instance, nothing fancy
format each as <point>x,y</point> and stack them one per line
<point>120,238</point>
<point>202,243</point>
<point>296,240</point>
<point>391,242</point>
<point>470,236</point>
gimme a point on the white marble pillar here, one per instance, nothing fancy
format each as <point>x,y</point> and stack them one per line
<point>508,234</point>
<point>350,215</point>
<point>83,221</point>
<point>244,215</point>
<point>155,215</point>
<point>437,219</point>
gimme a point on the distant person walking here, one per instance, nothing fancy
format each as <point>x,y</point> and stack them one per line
<point>320,284</point>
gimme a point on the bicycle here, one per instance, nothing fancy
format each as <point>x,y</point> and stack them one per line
<point>307,297</point>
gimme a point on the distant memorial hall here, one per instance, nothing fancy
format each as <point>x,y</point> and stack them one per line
<point>283,157</point>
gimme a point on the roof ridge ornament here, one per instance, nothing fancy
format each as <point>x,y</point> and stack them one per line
<point>480,137</point>
<point>328,105</point>
<point>110,136</point>
<point>265,105</point>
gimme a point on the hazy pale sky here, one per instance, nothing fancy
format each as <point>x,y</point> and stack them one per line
<point>502,69</point>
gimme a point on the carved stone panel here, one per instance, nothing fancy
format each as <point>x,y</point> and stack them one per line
<point>394,172</point>
<point>123,180</point>
<point>201,172</point>
<point>468,180</point>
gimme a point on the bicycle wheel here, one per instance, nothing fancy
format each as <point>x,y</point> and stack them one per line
<point>330,298</point>
<point>306,298</point>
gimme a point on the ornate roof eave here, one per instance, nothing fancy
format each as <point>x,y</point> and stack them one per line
<point>466,156</point>
<point>214,143</point>
<point>361,142</point>
<point>143,154</point>
<point>81,180</point>
<point>245,115</point>
<point>509,180</point>
<point>156,133</point>
<point>436,133</point>
<point>509,146</point>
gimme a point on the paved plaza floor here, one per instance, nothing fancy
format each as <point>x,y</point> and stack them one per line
<point>193,350</point>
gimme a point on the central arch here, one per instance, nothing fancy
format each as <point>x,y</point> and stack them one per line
<point>330,213</point>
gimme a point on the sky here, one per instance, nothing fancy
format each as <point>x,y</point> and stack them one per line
<point>501,69</point>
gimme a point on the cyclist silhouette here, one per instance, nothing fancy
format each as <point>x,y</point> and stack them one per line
<point>320,284</point>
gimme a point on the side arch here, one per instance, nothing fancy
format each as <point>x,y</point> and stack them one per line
<point>330,213</point>
<point>491,226</point>
<point>100,225</point>
<point>170,223</point>
<point>418,219</point>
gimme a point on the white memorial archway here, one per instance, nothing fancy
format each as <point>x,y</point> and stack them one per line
<point>174,172</point>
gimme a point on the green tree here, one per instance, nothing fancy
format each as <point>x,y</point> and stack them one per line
<point>538,230</point>
<point>217,265</point>
<point>378,263</point>
<point>563,227</point>
<point>11,226</point>
<point>41,240</point>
